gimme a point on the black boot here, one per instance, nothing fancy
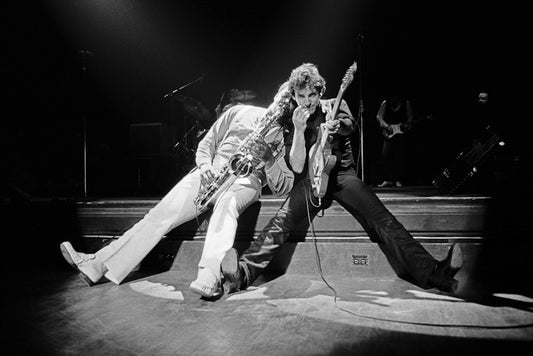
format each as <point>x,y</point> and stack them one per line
<point>233,271</point>
<point>445,271</point>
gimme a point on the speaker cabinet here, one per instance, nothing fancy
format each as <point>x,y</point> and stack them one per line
<point>148,139</point>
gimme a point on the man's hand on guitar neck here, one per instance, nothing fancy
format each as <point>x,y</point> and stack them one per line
<point>333,126</point>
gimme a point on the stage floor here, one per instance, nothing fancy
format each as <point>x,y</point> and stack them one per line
<point>53,312</point>
<point>48,310</point>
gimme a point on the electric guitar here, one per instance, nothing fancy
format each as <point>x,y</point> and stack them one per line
<point>321,159</point>
<point>397,129</point>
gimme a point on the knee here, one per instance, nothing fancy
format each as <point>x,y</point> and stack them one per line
<point>278,226</point>
<point>388,226</point>
<point>386,222</point>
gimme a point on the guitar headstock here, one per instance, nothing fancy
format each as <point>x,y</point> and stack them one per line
<point>348,77</point>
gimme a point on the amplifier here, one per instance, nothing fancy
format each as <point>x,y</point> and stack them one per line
<point>148,139</point>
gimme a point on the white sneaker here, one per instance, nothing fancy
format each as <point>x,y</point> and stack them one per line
<point>386,183</point>
<point>207,284</point>
<point>90,269</point>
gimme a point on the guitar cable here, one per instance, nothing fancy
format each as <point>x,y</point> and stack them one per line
<point>308,200</point>
<point>335,295</point>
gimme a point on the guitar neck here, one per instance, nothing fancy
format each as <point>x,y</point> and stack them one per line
<point>348,77</point>
<point>336,105</point>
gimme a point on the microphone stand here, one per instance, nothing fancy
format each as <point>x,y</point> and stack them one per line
<point>170,94</point>
<point>84,54</point>
<point>361,109</point>
<point>183,141</point>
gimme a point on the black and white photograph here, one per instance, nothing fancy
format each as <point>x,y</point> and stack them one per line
<point>305,177</point>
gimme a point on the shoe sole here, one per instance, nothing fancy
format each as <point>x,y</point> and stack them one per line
<point>200,291</point>
<point>67,250</point>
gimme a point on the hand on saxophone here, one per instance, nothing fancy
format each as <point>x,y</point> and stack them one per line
<point>207,173</point>
<point>261,150</point>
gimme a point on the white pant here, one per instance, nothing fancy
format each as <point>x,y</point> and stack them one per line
<point>176,208</point>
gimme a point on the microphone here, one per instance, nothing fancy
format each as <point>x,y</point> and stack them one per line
<point>197,80</point>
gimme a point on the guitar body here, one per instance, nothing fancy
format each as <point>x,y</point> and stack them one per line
<point>396,129</point>
<point>321,158</point>
<point>321,185</point>
<point>401,128</point>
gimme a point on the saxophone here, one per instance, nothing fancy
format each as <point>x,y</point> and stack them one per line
<point>241,163</point>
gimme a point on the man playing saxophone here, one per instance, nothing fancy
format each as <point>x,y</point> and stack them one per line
<point>233,131</point>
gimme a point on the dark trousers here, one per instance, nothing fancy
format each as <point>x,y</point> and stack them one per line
<point>394,158</point>
<point>407,256</point>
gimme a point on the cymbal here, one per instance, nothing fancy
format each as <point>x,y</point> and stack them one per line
<point>242,95</point>
<point>195,108</point>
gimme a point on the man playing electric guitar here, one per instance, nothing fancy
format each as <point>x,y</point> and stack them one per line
<point>321,159</point>
<point>301,126</point>
<point>394,116</point>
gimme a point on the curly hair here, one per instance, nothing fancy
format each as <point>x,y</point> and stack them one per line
<point>306,76</point>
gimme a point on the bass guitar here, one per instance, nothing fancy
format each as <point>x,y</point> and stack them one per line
<point>321,159</point>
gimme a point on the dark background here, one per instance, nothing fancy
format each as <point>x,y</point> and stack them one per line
<point>438,54</point>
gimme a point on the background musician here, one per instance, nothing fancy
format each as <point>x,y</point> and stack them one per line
<point>395,117</point>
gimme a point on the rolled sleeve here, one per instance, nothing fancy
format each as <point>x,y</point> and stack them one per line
<point>346,119</point>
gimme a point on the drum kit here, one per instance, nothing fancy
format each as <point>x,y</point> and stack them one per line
<point>199,112</point>
<point>242,95</point>
<point>204,117</point>
<point>195,109</point>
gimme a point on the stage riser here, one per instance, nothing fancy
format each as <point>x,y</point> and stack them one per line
<point>350,259</point>
<point>429,217</point>
<point>482,261</point>
<point>343,245</point>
